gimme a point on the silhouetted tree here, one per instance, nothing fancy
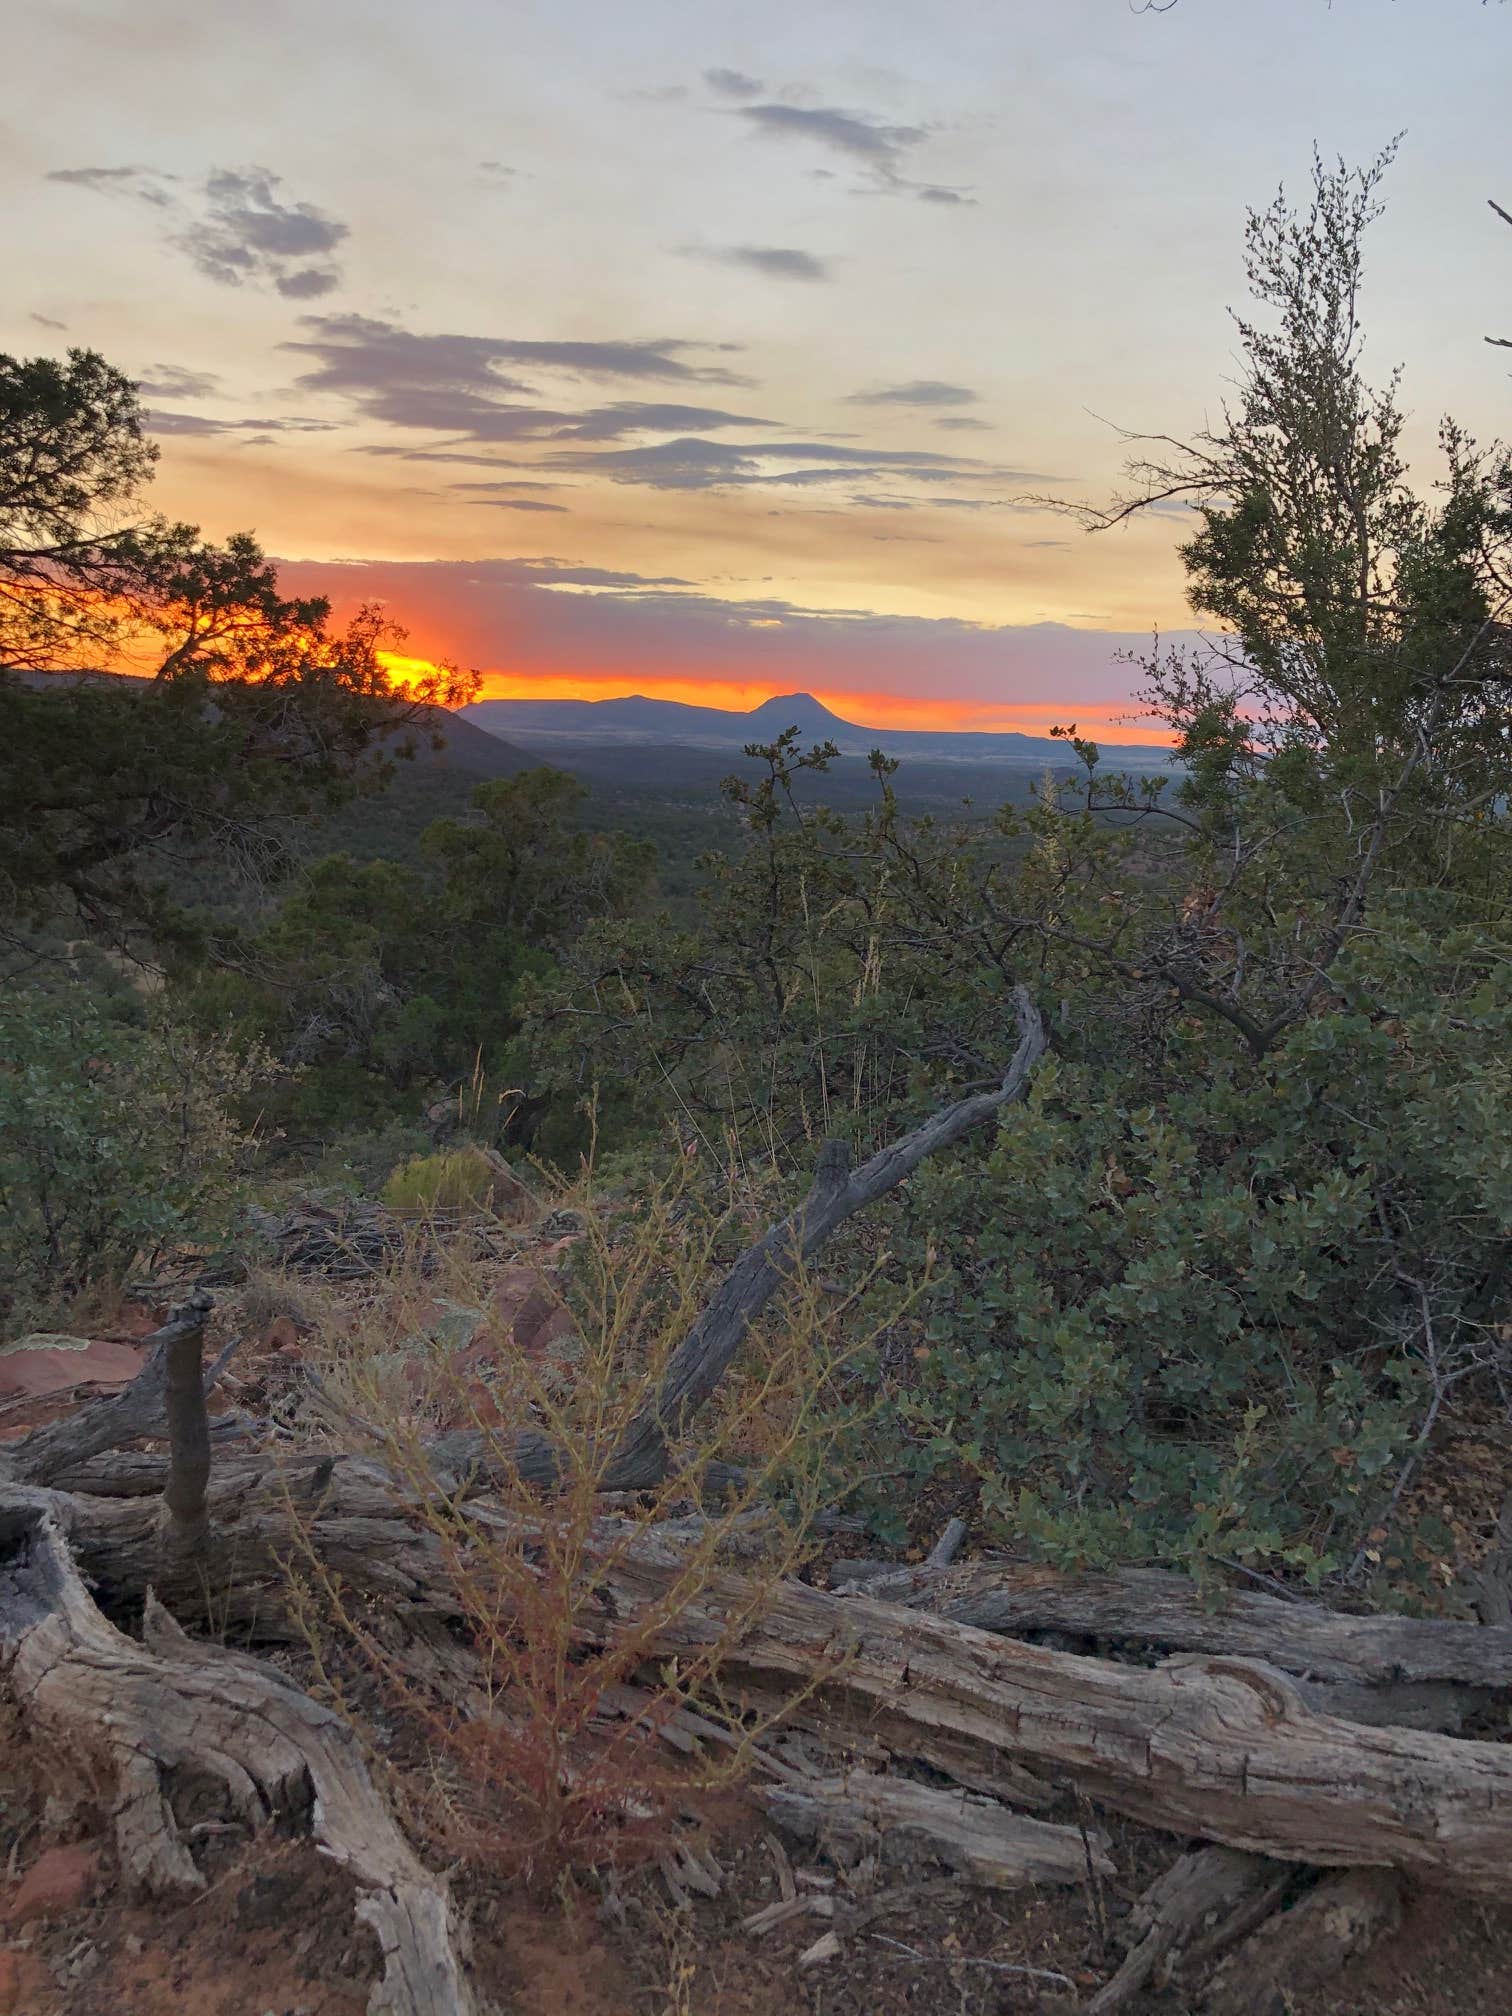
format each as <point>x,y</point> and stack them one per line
<point>246,708</point>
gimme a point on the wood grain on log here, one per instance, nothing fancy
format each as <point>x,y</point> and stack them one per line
<point>1224,1749</point>
<point>136,1717</point>
<point>865,1813</point>
<point>1137,1605</point>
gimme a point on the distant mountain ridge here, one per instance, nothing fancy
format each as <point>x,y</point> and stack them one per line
<point>639,720</point>
<point>468,747</point>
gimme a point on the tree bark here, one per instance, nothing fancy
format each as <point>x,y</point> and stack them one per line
<point>188,1437</point>
<point>1220,1748</point>
<point>1170,1612</point>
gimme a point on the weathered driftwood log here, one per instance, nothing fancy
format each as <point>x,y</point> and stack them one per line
<point>188,1427</point>
<point>139,1409</point>
<point>865,1813</point>
<point>1223,1749</point>
<point>1302,1950</point>
<point>140,1717</point>
<point>1425,1673</point>
<point>705,1354</point>
<point>1199,1896</point>
<point>1148,1606</point>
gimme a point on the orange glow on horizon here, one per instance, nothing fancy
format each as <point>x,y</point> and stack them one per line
<point>867,710</point>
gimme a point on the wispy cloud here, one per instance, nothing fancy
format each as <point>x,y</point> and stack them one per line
<point>235,226</point>
<point>733,83</point>
<point>147,185</point>
<point>916,392</point>
<point>693,463</point>
<point>161,421</point>
<point>516,504</point>
<point>463,386</point>
<point>172,381</point>
<point>374,360</point>
<point>881,149</point>
<point>774,262</point>
<point>856,134</point>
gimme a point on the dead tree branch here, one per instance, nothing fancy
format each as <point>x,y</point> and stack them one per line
<point>705,1354</point>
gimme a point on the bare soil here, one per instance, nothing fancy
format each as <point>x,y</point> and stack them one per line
<point>273,1935</point>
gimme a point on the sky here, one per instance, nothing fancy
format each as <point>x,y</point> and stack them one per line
<point>718,351</point>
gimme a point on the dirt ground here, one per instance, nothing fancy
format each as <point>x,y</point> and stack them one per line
<point>274,1935</point>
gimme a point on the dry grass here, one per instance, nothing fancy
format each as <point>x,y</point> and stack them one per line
<point>548,1719</point>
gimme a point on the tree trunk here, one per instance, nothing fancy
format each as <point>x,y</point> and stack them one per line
<point>1221,1748</point>
<point>1150,1607</point>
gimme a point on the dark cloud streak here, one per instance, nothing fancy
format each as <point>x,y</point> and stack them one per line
<point>916,392</point>
<point>691,463</point>
<point>882,150</point>
<point>247,232</point>
<point>160,421</point>
<point>146,184</point>
<point>172,381</point>
<point>773,262</point>
<point>733,83</point>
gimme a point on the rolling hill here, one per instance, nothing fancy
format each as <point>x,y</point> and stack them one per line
<point>543,725</point>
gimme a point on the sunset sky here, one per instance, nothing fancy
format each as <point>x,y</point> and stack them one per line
<point>714,350</point>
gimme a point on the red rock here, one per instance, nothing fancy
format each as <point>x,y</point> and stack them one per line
<point>282,1336</point>
<point>56,1882</point>
<point>46,1363</point>
<point>23,1983</point>
<point>531,1311</point>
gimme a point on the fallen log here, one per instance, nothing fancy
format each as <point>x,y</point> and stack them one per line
<point>141,1718</point>
<point>1171,1613</point>
<point>897,1819</point>
<point>1224,1749</point>
<point>1220,1748</point>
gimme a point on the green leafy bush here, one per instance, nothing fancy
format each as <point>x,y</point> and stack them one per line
<point>457,1179</point>
<point>1219,1324</point>
<point>114,1144</point>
